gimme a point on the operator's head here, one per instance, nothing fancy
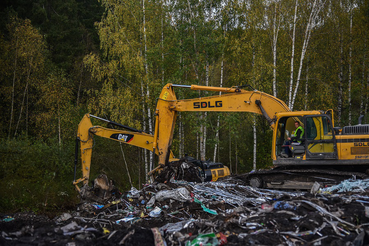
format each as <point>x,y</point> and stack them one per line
<point>297,124</point>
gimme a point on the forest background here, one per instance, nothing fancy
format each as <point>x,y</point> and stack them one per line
<point>61,59</point>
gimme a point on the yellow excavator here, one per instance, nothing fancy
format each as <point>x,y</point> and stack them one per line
<point>326,154</point>
<point>210,171</point>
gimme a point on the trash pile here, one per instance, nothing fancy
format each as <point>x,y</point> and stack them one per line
<point>226,212</point>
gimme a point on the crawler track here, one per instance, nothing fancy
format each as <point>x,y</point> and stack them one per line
<point>298,179</point>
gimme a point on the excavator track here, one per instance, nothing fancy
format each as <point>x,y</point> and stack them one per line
<point>298,179</point>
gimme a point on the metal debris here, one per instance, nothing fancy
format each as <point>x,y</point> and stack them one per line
<point>226,212</point>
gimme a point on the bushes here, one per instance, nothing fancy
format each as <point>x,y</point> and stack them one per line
<point>36,176</point>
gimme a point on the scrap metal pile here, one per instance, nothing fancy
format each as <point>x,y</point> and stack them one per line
<point>226,212</point>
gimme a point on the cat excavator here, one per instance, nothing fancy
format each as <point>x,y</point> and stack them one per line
<point>210,171</point>
<point>325,155</point>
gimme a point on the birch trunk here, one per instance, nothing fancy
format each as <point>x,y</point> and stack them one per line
<point>255,141</point>
<point>340,80</point>
<point>236,161</point>
<point>197,145</point>
<point>292,57</point>
<point>144,129</point>
<point>27,117</point>
<point>162,45</point>
<point>80,85</point>
<point>363,91</point>
<point>204,128</point>
<point>182,143</point>
<point>13,88</point>
<point>147,168</point>
<point>201,136</point>
<point>24,97</point>
<point>230,149</point>
<point>274,50</point>
<point>253,116</point>
<point>350,66</point>
<point>313,15</point>
<point>59,125</point>
<point>147,79</point>
<point>306,86</point>
<point>202,155</point>
<point>367,96</point>
<point>218,119</point>
<point>180,154</point>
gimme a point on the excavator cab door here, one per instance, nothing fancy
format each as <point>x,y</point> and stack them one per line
<point>320,141</point>
<point>330,113</point>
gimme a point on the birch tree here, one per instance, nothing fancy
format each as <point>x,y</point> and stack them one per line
<point>27,57</point>
<point>275,17</point>
<point>312,21</point>
<point>292,56</point>
<point>350,64</point>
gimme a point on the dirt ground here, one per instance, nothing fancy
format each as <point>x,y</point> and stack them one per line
<point>184,212</point>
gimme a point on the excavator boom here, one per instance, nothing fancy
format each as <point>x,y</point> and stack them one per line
<point>87,131</point>
<point>235,100</point>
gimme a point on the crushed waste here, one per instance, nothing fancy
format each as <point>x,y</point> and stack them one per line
<point>182,212</point>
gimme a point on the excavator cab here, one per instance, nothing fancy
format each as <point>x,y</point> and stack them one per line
<point>317,143</point>
<point>320,141</point>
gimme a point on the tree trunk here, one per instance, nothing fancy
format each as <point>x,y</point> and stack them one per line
<point>80,85</point>
<point>180,154</point>
<point>255,141</point>
<point>197,145</point>
<point>13,89</point>
<point>149,119</point>
<point>307,86</point>
<point>162,45</point>
<point>27,114</point>
<point>292,57</point>
<point>59,126</point>
<point>236,163</point>
<point>367,96</point>
<point>144,129</point>
<point>313,15</point>
<point>218,119</point>
<point>363,91</point>
<point>204,128</point>
<point>253,116</point>
<point>350,65</point>
<point>230,148</point>
<point>340,81</point>
<point>274,50</point>
<point>24,96</point>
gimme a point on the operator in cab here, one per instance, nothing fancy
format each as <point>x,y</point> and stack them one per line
<point>295,140</point>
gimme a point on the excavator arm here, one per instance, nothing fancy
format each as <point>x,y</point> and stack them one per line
<point>85,137</point>
<point>234,99</point>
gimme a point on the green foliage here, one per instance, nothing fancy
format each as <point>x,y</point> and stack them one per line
<point>35,176</point>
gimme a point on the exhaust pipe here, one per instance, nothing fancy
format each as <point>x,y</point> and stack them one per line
<point>360,118</point>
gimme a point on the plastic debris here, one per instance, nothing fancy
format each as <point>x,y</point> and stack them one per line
<point>225,212</point>
<point>359,185</point>
<point>283,205</point>
<point>8,219</point>
<point>206,239</point>
<point>97,206</point>
<point>210,211</point>
<point>180,194</point>
<point>127,219</point>
<point>156,212</point>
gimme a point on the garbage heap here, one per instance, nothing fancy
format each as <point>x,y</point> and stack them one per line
<point>225,212</point>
